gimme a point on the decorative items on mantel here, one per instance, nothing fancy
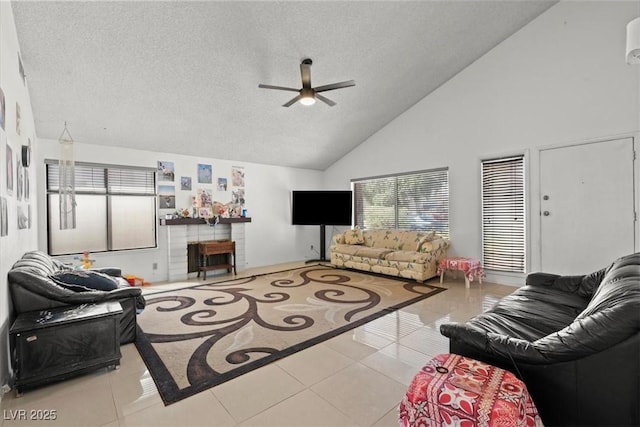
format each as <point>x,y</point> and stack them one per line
<point>196,221</point>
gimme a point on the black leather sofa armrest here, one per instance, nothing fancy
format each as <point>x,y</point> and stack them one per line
<point>130,291</point>
<point>514,349</point>
<point>465,332</point>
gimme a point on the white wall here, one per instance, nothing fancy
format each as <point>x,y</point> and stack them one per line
<point>560,80</point>
<point>270,237</point>
<point>17,241</point>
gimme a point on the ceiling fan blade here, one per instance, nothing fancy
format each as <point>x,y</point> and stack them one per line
<point>333,86</point>
<point>278,87</point>
<point>305,72</point>
<point>327,101</point>
<point>293,101</point>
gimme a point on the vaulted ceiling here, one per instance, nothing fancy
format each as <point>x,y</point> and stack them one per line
<point>182,76</point>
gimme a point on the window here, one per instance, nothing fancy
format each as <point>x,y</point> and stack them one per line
<point>115,209</point>
<point>503,216</point>
<point>416,201</point>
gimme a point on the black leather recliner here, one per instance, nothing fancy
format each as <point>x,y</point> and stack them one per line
<point>32,288</point>
<point>573,340</point>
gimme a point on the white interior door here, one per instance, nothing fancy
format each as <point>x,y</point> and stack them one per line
<point>587,206</point>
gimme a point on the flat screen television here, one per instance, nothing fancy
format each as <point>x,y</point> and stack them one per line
<point>321,207</point>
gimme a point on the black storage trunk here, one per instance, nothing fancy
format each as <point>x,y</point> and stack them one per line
<point>53,345</point>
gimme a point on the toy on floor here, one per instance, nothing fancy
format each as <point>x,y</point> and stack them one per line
<point>135,280</point>
<point>86,262</point>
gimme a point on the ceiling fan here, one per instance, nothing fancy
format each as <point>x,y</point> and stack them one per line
<point>308,95</point>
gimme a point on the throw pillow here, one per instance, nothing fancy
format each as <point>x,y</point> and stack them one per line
<point>354,237</point>
<point>90,280</point>
<point>430,236</point>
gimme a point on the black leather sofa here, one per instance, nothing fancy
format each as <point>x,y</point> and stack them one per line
<point>33,286</point>
<point>573,340</point>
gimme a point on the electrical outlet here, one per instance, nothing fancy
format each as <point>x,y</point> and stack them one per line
<point>155,266</point>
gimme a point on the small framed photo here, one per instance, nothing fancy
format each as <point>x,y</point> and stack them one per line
<point>166,197</point>
<point>185,183</point>
<point>166,171</point>
<point>205,212</point>
<point>222,184</point>
<point>9,169</point>
<point>205,173</point>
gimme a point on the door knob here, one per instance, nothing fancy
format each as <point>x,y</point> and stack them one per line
<point>546,213</point>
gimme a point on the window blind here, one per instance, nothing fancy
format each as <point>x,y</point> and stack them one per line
<point>131,181</point>
<point>92,178</point>
<point>503,214</point>
<point>416,201</point>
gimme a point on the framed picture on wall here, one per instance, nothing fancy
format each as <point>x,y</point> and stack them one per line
<point>4,220</point>
<point>185,183</point>
<point>3,110</point>
<point>204,174</point>
<point>166,197</point>
<point>237,176</point>
<point>19,179</point>
<point>23,219</point>
<point>166,171</point>
<point>222,184</point>
<point>9,170</point>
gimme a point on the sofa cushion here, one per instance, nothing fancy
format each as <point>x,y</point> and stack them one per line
<point>345,249</point>
<point>408,256</point>
<point>378,253</point>
<point>84,280</point>
<point>354,237</point>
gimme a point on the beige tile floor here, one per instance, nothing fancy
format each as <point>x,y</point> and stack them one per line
<point>355,379</point>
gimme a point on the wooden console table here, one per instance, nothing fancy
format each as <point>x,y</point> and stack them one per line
<point>216,247</point>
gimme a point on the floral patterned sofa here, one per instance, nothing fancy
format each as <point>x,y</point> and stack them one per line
<point>403,253</point>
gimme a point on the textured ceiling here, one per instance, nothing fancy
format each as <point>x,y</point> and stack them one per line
<point>182,76</point>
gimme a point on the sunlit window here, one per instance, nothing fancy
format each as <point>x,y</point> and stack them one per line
<point>115,209</point>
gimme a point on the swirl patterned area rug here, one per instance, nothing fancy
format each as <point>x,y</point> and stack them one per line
<point>195,338</point>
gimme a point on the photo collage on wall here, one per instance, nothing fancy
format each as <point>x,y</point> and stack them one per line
<point>212,193</point>
<point>15,155</point>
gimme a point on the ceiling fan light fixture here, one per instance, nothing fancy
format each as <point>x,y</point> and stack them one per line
<point>307,100</point>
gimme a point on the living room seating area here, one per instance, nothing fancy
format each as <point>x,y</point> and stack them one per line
<point>574,340</point>
<point>38,281</point>
<point>403,253</point>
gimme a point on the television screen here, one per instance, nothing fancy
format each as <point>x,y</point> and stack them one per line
<point>321,208</point>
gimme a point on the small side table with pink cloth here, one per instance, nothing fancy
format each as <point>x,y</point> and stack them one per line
<point>471,268</point>
<point>453,390</point>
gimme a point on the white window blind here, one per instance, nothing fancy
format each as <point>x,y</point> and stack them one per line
<point>414,201</point>
<point>115,207</point>
<point>131,181</point>
<point>88,178</point>
<point>503,214</point>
